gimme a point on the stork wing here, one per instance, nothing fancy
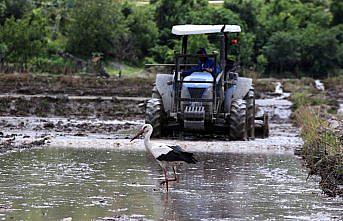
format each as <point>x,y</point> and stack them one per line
<point>176,148</point>
<point>177,154</point>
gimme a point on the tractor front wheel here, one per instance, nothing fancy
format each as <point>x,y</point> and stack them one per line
<point>238,120</point>
<point>154,115</point>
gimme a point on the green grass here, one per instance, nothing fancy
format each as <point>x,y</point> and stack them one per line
<point>305,98</point>
<point>323,146</point>
<point>126,70</point>
<point>334,83</point>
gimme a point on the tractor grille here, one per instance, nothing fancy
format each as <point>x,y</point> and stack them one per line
<point>196,92</point>
<point>194,113</point>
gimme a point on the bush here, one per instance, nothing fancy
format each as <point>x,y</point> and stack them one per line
<point>14,9</point>
<point>24,38</point>
<point>305,98</point>
<point>53,65</point>
<point>142,35</point>
<point>95,26</point>
<point>319,139</point>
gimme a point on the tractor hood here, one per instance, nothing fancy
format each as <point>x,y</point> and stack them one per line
<point>198,76</point>
<point>197,90</point>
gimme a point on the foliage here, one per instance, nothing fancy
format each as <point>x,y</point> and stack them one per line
<point>306,99</point>
<point>23,39</point>
<point>142,33</point>
<point>169,13</point>
<point>303,37</point>
<point>13,8</point>
<point>96,26</point>
<point>334,83</point>
<point>282,51</point>
<point>247,11</point>
<point>336,8</point>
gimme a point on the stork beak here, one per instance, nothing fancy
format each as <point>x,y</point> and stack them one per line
<point>137,135</point>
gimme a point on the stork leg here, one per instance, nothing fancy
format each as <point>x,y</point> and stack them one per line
<point>175,178</point>
<point>166,177</point>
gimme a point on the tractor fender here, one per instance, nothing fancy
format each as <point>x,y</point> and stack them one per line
<point>242,87</point>
<point>164,87</point>
<point>228,98</point>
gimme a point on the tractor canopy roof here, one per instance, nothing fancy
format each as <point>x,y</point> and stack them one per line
<point>204,29</point>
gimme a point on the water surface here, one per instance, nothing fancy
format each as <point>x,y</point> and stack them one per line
<point>92,184</point>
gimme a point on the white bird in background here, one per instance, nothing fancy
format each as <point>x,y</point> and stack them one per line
<point>165,154</point>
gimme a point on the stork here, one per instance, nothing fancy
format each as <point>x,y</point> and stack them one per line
<point>165,154</point>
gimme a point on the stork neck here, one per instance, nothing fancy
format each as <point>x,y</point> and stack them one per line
<point>147,138</point>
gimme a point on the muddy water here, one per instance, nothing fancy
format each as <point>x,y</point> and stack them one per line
<point>96,184</point>
<point>101,176</point>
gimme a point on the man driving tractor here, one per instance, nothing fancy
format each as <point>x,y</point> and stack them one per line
<point>204,64</point>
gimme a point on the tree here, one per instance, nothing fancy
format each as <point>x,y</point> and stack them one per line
<point>282,52</point>
<point>2,8</point>
<point>13,8</point>
<point>247,11</point>
<point>24,39</point>
<point>95,26</point>
<point>142,35</point>
<point>169,13</point>
<point>321,49</point>
<point>337,10</point>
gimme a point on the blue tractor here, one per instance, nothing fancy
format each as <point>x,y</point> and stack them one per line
<point>204,101</point>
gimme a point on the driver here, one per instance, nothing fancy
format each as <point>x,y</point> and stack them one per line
<point>204,64</point>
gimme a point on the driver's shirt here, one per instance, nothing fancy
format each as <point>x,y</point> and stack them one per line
<point>209,63</point>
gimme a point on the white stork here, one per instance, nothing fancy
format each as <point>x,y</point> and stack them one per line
<point>164,154</point>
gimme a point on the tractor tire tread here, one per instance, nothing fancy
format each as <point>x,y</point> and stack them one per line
<point>237,120</point>
<point>154,115</point>
<point>250,101</point>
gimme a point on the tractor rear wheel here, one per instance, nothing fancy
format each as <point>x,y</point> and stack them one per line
<point>265,125</point>
<point>250,100</point>
<point>154,115</point>
<point>238,120</point>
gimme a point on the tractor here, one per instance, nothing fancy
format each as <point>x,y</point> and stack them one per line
<point>205,101</point>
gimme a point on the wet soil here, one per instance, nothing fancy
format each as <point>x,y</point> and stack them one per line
<point>85,130</point>
<point>50,106</point>
<point>88,170</point>
<point>17,142</point>
<point>75,85</point>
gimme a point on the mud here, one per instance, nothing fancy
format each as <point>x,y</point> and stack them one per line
<point>75,85</point>
<point>88,170</point>
<point>18,142</point>
<point>71,106</point>
<point>118,118</point>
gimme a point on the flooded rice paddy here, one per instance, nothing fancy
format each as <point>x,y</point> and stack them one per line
<point>90,171</point>
<point>103,184</point>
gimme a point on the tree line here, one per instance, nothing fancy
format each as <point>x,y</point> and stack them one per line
<point>292,37</point>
